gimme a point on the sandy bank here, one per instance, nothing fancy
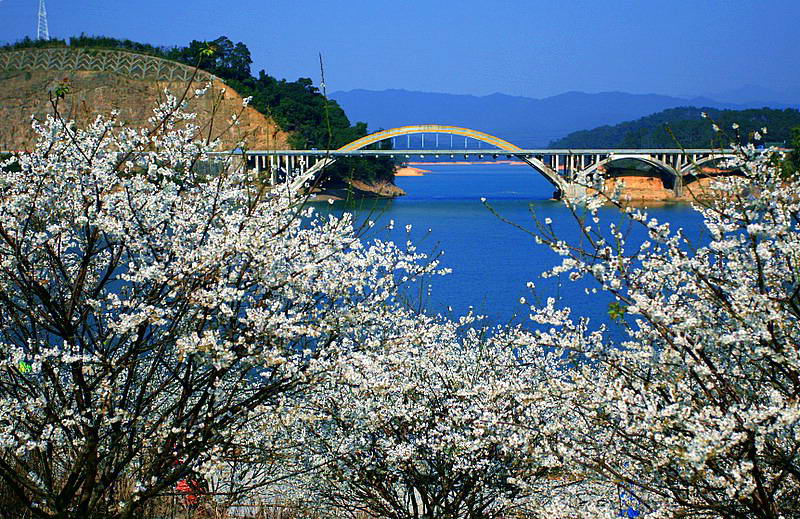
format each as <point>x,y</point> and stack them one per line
<point>408,171</point>
<point>468,163</point>
<point>647,190</point>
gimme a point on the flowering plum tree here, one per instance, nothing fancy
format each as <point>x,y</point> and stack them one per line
<point>147,311</point>
<point>695,413</point>
<point>428,422</point>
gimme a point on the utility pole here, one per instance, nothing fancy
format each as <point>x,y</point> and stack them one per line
<point>42,31</point>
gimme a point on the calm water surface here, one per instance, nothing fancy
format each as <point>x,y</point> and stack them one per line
<point>492,261</point>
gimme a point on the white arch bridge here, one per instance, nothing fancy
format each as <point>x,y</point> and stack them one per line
<point>559,166</point>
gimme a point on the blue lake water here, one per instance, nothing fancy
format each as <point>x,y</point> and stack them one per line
<point>492,261</point>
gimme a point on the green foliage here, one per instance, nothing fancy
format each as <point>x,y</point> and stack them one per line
<point>298,107</point>
<point>85,41</point>
<point>221,57</point>
<point>208,51</point>
<point>62,89</point>
<point>685,127</point>
<point>616,311</point>
<point>28,43</point>
<point>791,165</point>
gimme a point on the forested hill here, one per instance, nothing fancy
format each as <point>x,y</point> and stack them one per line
<point>687,128</point>
<point>297,106</point>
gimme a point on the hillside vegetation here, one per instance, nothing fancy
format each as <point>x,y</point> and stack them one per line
<point>687,128</point>
<point>297,106</point>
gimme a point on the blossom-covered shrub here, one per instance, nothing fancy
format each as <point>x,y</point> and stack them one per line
<point>428,422</point>
<point>146,310</point>
<point>695,412</point>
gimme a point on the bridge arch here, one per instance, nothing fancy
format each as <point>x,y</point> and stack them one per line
<point>505,146</point>
<point>372,138</point>
<point>694,166</point>
<point>646,159</point>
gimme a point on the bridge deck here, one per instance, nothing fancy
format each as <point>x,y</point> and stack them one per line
<point>471,151</point>
<point>485,151</point>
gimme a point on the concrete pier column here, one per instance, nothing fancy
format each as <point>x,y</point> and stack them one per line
<point>573,191</point>
<point>678,187</point>
<point>568,166</point>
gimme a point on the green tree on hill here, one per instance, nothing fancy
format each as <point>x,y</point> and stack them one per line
<point>227,60</point>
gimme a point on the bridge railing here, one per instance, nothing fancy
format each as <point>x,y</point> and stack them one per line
<point>481,151</point>
<point>486,151</point>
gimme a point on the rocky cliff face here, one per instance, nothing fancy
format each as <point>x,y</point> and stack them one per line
<point>645,189</point>
<point>102,81</point>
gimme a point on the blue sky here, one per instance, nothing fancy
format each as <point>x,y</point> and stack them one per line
<point>532,48</point>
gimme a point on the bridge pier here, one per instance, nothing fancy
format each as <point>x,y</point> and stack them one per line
<point>572,191</point>
<point>678,187</point>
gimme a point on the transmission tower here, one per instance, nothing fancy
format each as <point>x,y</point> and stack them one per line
<point>42,32</point>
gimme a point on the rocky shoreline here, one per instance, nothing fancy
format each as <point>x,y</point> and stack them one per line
<point>644,189</point>
<point>358,189</point>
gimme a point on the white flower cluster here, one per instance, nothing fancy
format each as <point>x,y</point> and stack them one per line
<point>421,412</point>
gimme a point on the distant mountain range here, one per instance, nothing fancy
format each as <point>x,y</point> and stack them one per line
<point>758,95</point>
<point>524,121</point>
